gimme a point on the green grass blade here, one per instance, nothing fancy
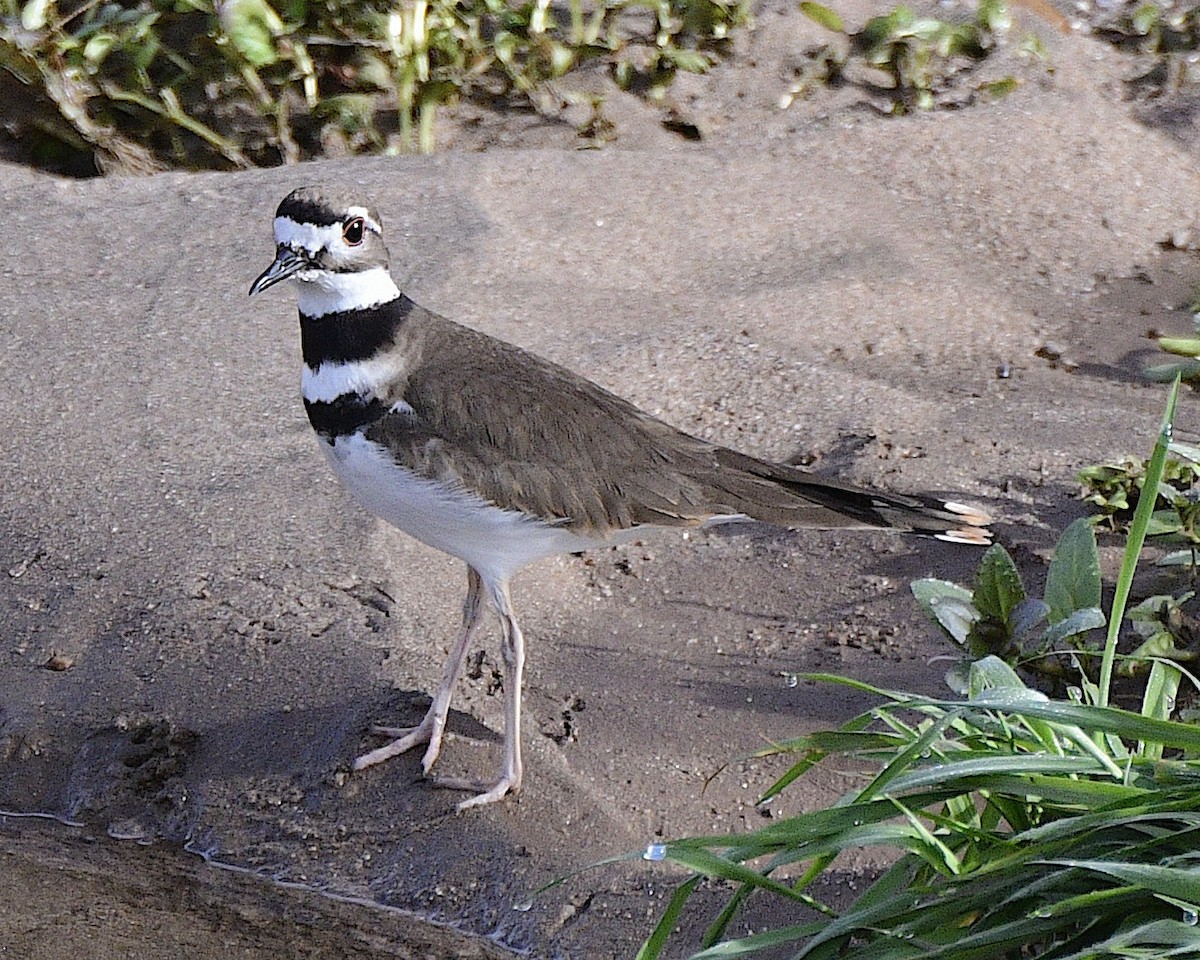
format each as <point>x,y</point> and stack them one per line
<point>906,757</point>
<point>714,866</point>
<point>756,943</point>
<point>716,929</point>
<point>652,948</point>
<point>1181,346</point>
<point>1158,939</point>
<point>1170,882</point>
<point>1063,791</point>
<point>1092,901</point>
<point>1158,701</point>
<point>1113,720</point>
<point>980,769</point>
<point>821,14</point>
<point>1137,537</point>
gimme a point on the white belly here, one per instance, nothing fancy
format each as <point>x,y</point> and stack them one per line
<point>494,541</point>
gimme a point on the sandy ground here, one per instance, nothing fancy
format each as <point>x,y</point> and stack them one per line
<point>823,283</point>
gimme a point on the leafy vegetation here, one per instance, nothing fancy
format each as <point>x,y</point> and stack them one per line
<point>914,59</point>
<point>1188,369</point>
<point>1023,826</point>
<point>143,83</point>
<point>1165,35</point>
<point>1112,486</point>
<point>1047,636</point>
<point>1026,827</point>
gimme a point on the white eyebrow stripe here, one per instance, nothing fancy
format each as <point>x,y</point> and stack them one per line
<point>307,236</point>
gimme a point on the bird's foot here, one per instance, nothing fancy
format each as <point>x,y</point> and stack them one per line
<point>484,791</point>
<point>396,733</point>
<point>404,739</point>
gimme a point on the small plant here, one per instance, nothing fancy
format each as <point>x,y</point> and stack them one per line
<point>916,58</point>
<point>92,73</point>
<point>1166,634</point>
<point>1175,521</point>
<point>1022,826</point>
<point>1025,828</point>
<point>1050,638</point>
<point>1047,636</point>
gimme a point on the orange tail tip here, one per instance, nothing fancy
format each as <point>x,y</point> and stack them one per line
<point>975,532</point>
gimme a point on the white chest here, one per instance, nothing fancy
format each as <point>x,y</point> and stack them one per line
<point>496,542</point>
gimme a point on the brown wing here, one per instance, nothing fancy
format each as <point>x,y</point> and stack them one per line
<point>533,436</point>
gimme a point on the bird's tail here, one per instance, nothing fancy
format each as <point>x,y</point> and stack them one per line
<point>927,516</point>
<point>796,498</point>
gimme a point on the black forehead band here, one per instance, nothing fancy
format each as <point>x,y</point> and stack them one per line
<point>308,210</point>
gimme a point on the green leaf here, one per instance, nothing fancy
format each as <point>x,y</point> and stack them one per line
<point>1163,522</point>
<point>1089,618</point>
<point>1179,558</point>
<point>994,15</point>
<point>1185,451</point>
<point>959,773</point>
<point>1164,373</point>
<point>252,26</point>
<point>1145,18</point>
<point>693,61</point>
<point>958,677</point>
<point>98,46</point>
<point>1172,882</point>
<point>1073,580</point>
<point>821,14</point>
<point>1159,698</point>
<point>1159,939</point>
<point>999,89</point>
<point>998,587</point>
<point>35,14</point>
<point>1027,615</point>
<point>1160,644</point>
<point>562,59</point>
<point>702,861</point>
<point>1135,541</point>
<point>1121,723</point>
<point>1181,346</point>
<point>955,617</point>
<point>505,45</point>
<point>654,944</point>
<point>756,943</point>
<point>992,673</point>
<point>948,605</point>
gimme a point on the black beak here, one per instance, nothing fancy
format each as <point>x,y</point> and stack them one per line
<point>287,262</point>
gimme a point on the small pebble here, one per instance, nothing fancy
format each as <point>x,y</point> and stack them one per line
<point>59,662</point>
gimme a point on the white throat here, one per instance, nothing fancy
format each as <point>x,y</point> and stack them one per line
<point>323,292</point>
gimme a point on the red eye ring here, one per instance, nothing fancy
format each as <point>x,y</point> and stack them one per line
<point>353,231</point>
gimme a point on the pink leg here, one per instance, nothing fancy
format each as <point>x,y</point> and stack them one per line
<point>513,653</point>
<point>433,725</point>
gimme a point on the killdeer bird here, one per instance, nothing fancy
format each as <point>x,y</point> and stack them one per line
<point>498,457</point>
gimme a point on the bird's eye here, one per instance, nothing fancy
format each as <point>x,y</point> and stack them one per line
<point>352,232</point>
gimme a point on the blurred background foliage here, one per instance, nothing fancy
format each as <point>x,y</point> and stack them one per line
<point>139,85</point>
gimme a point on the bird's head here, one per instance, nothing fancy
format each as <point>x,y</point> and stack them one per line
<point>334,249</point>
